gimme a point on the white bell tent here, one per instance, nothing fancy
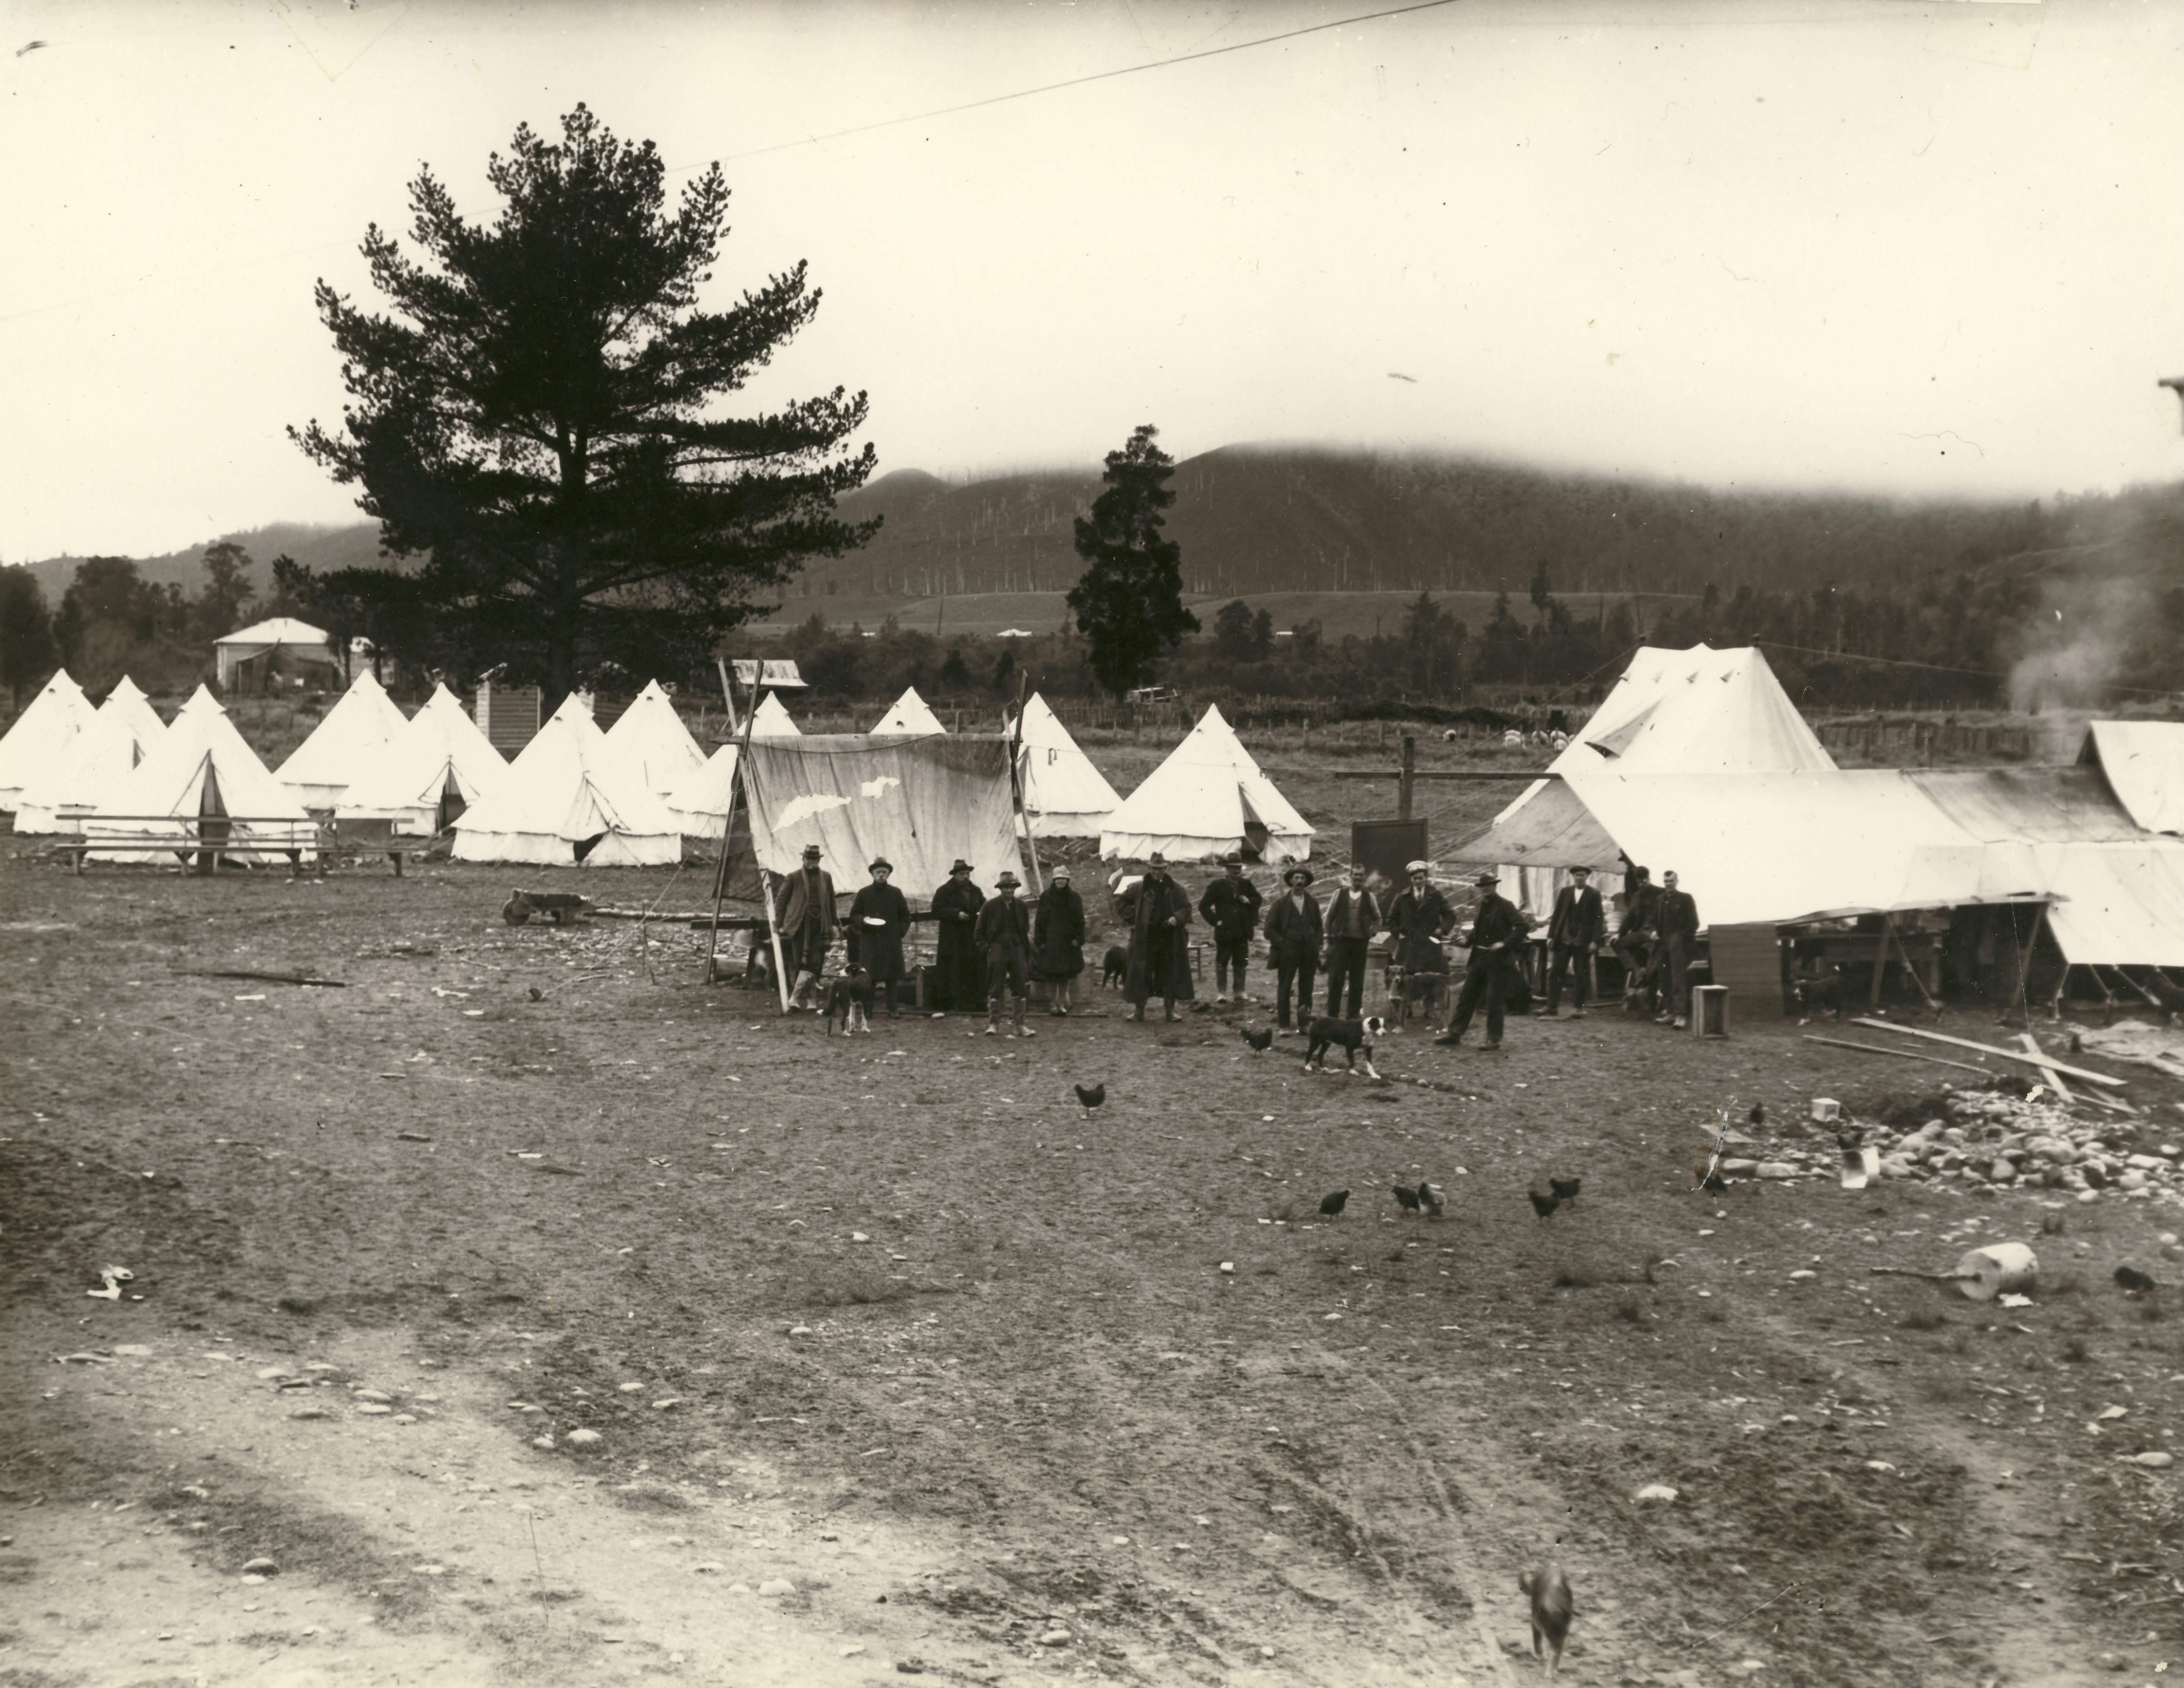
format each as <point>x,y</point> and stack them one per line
<point>41,735</point>
<point>1209,797</point>
<point>568,801</point>
<point>651,741</point>
<point>202,781</point>
<point>364,721</point>
<point>1063,793</point>
<point>121,733</point>
<point>909,718</point>
<point>423,780</point>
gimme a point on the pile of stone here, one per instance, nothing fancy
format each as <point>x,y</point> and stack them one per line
<point>1993,1141</point>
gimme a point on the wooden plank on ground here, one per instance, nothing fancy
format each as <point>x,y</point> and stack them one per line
<point>2031,1045</point>
<point>1900,1054</point>
<point>1989,1049</point>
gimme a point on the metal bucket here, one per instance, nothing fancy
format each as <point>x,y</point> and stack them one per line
<point>1998,1268</point>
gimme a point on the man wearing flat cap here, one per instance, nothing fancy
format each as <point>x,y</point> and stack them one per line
<point>1159,911</point>
<point>1230,905</point>
<point>1004,932</point>
<point>1574,930</point>
<point>1419,919</point>
<point>1293,945</point>
<point>959,977</point>
<point>804,915</point>
<point>1494,931</point>
<point>1353,918</point>
<point>879,914</point>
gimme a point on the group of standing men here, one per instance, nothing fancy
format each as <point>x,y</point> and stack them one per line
<point>989,947</point>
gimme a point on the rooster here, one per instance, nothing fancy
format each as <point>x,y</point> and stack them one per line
<point>1331,1206</point>
<point>1407,1199</point>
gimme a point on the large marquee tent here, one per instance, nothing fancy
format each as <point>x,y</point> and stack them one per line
<point>568,801</point>
<point>1209,797</point>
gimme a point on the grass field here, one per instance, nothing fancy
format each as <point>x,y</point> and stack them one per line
<point>533,1306</point>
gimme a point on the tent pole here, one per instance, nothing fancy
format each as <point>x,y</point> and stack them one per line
<point>728,825</point>
<point>765,880</point>
<point>729,691</point>
<point>1904,951</point>
<point>2021,999</point>
<point>1015,789</point>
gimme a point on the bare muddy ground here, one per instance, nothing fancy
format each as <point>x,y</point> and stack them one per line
<point>533,1307</point>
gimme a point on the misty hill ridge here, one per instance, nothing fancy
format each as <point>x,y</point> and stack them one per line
<point>1259,519</point>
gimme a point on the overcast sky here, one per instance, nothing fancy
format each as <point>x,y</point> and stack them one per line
<point>1922,249</point>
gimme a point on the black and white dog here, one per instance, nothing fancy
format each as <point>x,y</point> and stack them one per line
<point>1355,1037</point>
<point>850,996</point>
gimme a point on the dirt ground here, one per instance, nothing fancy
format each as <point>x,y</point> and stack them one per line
<point>544,1314</point>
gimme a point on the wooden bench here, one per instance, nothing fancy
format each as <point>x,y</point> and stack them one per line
<point>186,836</point>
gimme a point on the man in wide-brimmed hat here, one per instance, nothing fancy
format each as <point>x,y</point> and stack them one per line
<point>879,914</point>
<point>1495,931</point>
<point>959,977</point>
<point>804,915</point>
<point>1230,905</point>
<point>1159,911</point>
<point>1005,939</point>
<point>1293,945</point>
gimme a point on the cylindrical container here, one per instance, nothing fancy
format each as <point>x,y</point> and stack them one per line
<point>1998,1268</point>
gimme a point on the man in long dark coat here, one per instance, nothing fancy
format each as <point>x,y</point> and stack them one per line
<point>1574,931</point>
<point>1633,936</point>
<point>1230,905</point>
<point>804,915</point>
<point>1293,945</point>
<point>1676,924</point>
<point>1004,932</point>
<point>1418,919</point>
<point>1057,938</point>
<point>879,914</point>
<point>1494,934</point>
<point>959,978</point>
<point>1160,940</point>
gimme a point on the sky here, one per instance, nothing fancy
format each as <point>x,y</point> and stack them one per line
<point>1913,250</point>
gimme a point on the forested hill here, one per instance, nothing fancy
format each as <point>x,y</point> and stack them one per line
<point>352,545</point>
<point>1256,520</point>
<point>1261,520</point>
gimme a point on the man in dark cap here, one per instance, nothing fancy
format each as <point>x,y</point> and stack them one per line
<point>1231,906</point>
<point>1004,934</point>
<point>1419,919</point>
<point>1676,924</point>
<point>1159,911</point>
<point>1495,931</point>
<point>959,977</point>
<point>1351,919</point>
<point>1293,945</point>
<point>1574,931</point>
<point>804,915</point>
<point>879,914</point>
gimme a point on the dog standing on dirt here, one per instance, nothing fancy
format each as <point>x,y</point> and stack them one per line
<point>1355,1037</point>
<point>850,996</point>
<point>1114,967</point>
<point>1549,1591</point>
<point>1821,994</point>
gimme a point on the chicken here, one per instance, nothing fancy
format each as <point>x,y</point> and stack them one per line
<point>1549,1591</point>
<point>1545,1206</point>
<point>1261,1040</point>
<point>1565,1189</point>
<point>1407,1199</point>
<point>2130,1279</point>
<point>1430,1199</point>
<point>1093,1097</point>
<point>1332,1205</point>
<point>1758,1116</point>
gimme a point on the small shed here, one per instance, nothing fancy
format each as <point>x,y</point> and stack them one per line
<point>246,657</point>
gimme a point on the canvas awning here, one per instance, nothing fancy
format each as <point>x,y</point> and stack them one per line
<point>2144,763</point>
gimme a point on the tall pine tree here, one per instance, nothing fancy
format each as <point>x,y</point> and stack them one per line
<point>1129,600</point>
<point>542,416</point>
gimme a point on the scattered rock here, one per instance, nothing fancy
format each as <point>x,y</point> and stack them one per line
<point>583,1439</point>
<point>799,1330</point>
<point>373,1407</point>
<point>310,1412</point>
<point>371,1394</point>
<point>430,1570</point>
<point>266,1374</point>
<point>546,1442</point>
<point>666,1402</point>
<point>2155,1461</point>
<point>776,1586</point>
<point>261,1568</point>
<point>1056,1637</point>
<point>1655,1494</point>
